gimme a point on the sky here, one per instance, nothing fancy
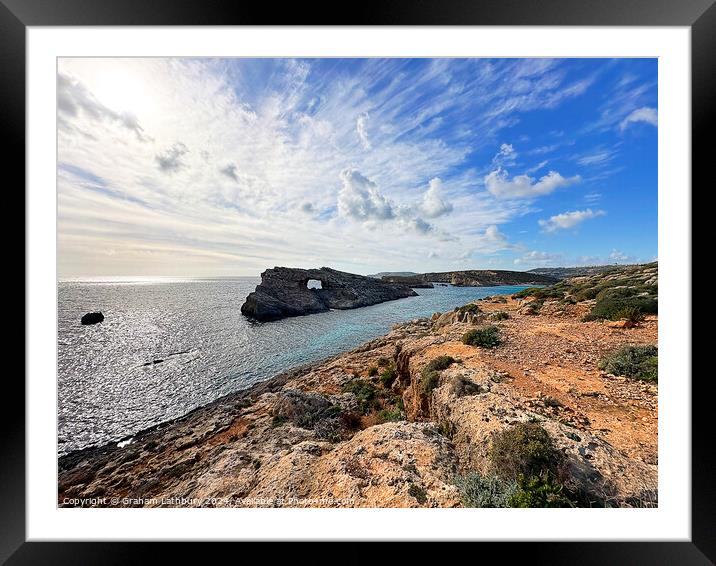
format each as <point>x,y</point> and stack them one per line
<point>221,167</point>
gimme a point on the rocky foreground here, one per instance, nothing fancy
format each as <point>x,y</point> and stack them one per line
<point>411,419</point>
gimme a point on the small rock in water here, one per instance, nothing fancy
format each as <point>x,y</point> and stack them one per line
<point>92,318</point>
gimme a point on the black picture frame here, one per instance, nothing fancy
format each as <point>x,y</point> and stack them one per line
<point>17,15</point>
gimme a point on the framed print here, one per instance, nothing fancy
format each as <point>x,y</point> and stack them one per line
<point>387,279</point>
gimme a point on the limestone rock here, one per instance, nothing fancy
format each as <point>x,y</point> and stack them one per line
<point>283,292</point>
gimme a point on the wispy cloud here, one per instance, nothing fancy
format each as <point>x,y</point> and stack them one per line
<point>567,220</point>
<point>644,114</point>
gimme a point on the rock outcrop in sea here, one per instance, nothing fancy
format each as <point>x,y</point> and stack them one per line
<point>285,292</point>
<point>92,318</point>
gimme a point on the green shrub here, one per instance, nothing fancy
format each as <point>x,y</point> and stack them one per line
<point>418,493</point>
<point>365,392</point>
<point>529,292</point>
<point>585,293</point>
<point>390,415</point>
<point>610,308</point>
<point>631,314</point>
<point>383,362</point>
<point>372,371</point>
<point>387,377</point>
<point>500,315</point>
<point>440,363</point>
<point>539,491</point>
<point>638,362</point>
<point>430,376</point>
<point>485,337</point>
<point>429,380</point>
<point>277,421</point>
<point>481,491</point>
<point>446,428</point>
<point>524,450</point>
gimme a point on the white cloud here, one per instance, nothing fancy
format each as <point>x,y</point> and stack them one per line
<point>362,130</point>
<point>433,205</point>
<point>567,220</point>
<point>506,155</point>
<point>643,114</point>
<point>536,257</point>
<point>617,256</point>
<point>597,158</point>
<point>170,160</point>
<point>500,185</point>
<point>360,199</point>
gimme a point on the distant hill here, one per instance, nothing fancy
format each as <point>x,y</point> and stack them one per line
<point>567,272</point>
<point>382,274</point>
<point>474,278</point>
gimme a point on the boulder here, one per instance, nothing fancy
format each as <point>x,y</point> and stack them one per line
<point>92,318</point>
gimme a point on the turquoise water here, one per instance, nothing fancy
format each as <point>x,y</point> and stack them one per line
<point>109,386</point>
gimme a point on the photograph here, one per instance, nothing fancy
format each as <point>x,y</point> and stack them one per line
<point>328,282</point>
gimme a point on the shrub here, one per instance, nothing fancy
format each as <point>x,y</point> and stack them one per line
<point>481,491</point>
<point>500,315</point>
<point>631,314</point>
<point>277,421</point>
<point>372,371</point>
<point>365,392</point>
<point>390,415</point>
<point>350,420</point>
<point>383,362</point>
<point>486,337</point>
<point>529,292</point>
<point>429,381</point>
<point>524,450</point>
<point>440,363</point>
<point>461,386</point>
<point>638,362</point>
<point>610,308</point>
<point>387,377</point>
<point>539,491</point>
<point>418,493</point>
<point>430,376</point>
<point>585,294</point>
<point>447,428</point>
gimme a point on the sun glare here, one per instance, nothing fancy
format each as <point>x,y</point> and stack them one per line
<point>124,91</point>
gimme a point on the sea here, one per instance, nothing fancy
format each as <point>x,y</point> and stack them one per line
<point>168,346</point>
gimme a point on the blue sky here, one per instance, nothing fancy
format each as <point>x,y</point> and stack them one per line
<point>196,167</point>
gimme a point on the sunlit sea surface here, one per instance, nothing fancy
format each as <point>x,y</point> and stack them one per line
<point>105,390</point>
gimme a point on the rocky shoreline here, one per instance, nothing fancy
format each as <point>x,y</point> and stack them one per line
<point>386,425</point>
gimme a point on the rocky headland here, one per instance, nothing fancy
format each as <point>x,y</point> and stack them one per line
<point>473,278</point>
<point>544,398</point>
<point>285,292</point>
